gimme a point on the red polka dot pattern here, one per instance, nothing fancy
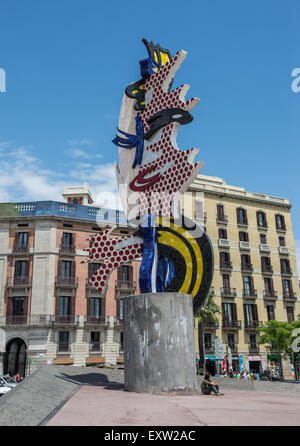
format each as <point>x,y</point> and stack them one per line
<point>174,170</point>
<point>107,250</point>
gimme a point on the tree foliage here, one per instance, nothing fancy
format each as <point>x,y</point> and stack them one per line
<point>277,336</point>
<point>208,311</point>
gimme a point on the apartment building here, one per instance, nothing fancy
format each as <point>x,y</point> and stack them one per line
<point>255,274</point>
<point>49,312</point>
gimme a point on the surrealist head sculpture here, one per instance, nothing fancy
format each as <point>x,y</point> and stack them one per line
<point>152,174</point>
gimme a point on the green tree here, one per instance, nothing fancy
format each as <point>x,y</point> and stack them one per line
<point>278,337</point>
<point>206,314</point>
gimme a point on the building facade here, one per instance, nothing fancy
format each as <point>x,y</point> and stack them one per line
<point>255,274</point>
<point>49,312</point>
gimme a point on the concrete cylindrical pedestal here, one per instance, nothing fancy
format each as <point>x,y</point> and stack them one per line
<point>159,346</point>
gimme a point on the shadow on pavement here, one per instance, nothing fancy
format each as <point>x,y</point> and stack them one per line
<point>92,379</point>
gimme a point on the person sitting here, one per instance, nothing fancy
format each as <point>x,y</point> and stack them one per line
<point>208,386</point>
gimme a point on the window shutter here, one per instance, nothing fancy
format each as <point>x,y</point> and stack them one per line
<point>73,243</point>
<point>245,313</point>
<point>199,214</point>
<point>223,310</point>
<point>73,269</point>
<point>252,283</point>
<point>255,313</point>
<point>237,215</point>
<point>234,312</point>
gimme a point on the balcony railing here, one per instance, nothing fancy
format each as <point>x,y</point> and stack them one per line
<point>210,324</point>
<point>92,320</point>
<point>64,347</point>
<point>245,246</point>
<point>270,294</point>
<point>228,292</point>
<point>225,265</point>
<point>243,222</point>
<point>233,348</point>
<point>286,272</point>
<point>267,269</point>
<point>247,267</point>
<point>70,319</point>
<point>253,348</point>
<point>125,285</point>
<point>224,243</point>
<point>283,250</point>
<point>67,249</point>
<point>29,320</point>
<point>281,227</point>
<point>264,247</point>
<point>227,323</point>
<point>249,293</point>
<point>66,281</point>
<point>250,325</point>
<point>95,347</point>
<point>289,296</point>
<point>20,249</point>
<point>20,281</point>
<point>223,219</point>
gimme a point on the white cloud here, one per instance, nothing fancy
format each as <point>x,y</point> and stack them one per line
<point>22,178</point>
<point>78,153</point>
<point>81,142</point>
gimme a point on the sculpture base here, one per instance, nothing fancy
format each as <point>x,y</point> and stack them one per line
<point>159,345</point>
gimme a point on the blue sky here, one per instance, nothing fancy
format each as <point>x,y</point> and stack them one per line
<point>68,62</point>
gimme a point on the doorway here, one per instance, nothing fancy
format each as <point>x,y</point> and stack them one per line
<point>15,357</point>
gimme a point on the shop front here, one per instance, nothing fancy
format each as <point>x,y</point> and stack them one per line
<point>255,364</point>
<point>274,362</point>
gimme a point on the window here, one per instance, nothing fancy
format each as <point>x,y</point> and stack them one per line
<point>263,239</point>
<point>243,236</point>
<point>125,273</point>
<point>21,268</point>
<point>248,285</point>
<point>226,282</point>
<point>67,239</point>
<point>66,268</point>
<point>199,212</point>
<point>245,260</point>
<point>242,216</point>
<point>287,288</point>
<point>95,341</point>
<point>285,266</point>
<point>223,234</point>
<point>280,223</point>
<point>290,314</point>
<point>95,307</point>
<point>269,287</point>
<point>93,268</point>
<point>250,313</point>
<point>207,341</point>
<point>220,212</point>
<point>281,241</point>
<point>18,306</point>
<point>270,312</point>
<point>230,340</point>
<point>22,238</point>
<point>229,314</point>
<point>252,340</point>
<point>63,341</point>
<point>261,219</point>
<point>225,259</point>
<point>64,306</point>
<point>121,308</point>
<point>266,264</point>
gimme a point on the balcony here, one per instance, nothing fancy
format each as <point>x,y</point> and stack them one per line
<point>243,222</point>
<point>225,265</point>
<point>92,320</point>
<point>20,249</point>
<point>69,282</point>
<point>289,296</point>
<point>231,324</point>
<point>118,321</point>
<point>252,325</point>
<point>233,348</point>
<point>253,348</point>
<point>69,320</point>
<point>210,325</point>
<point>281,228</point>
<point>228,292</point>
<point>222,219</point>
<point>286,271</point>
<point>224,243</point>
<point>19,281</point>
<point>125,285</point>
<point>66,249</point>
<point>245,246</point>
<point>270,294</point>
<point>247,267</point>
<point>250,293</point>
<point>262,226</point>
<point>267,269</point>
<point>89,285</point>
<point>283,250</point>
<point>95,347</point>
<point>64,347</point>
<point>263,247</point>
<point>41,320</point>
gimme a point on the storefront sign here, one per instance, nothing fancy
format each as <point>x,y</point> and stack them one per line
<point>254,358</point>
